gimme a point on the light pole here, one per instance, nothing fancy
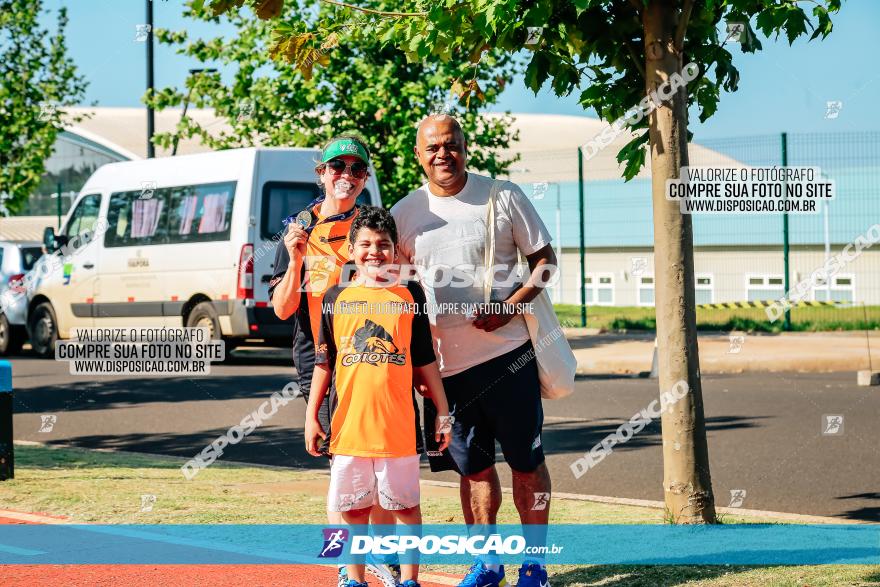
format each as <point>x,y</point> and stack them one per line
<point>558,243</point>
<point>558,287</point>
<point>192,72</point>
<point>151,119</point>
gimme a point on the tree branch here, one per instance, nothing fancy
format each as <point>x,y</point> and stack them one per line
<point>379,12</point>
<point>683,21</point>
<point>635,57</point>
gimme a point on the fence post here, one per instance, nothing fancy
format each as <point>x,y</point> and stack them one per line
<point>58,205</point>
<point>786,325</point>
<point>7,461</point>
<point>581,224</point>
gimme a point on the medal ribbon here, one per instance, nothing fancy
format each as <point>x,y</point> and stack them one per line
<point>331,218</point>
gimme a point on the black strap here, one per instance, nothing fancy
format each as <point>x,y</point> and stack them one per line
<point>331,218</point>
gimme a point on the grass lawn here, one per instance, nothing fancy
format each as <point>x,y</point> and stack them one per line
<point>807,319</point>
<point>103,487</point>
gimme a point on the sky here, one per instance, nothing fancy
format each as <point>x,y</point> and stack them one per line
<point>782,88</point>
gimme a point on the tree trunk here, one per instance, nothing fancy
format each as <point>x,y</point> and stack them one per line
<point>687,485</point>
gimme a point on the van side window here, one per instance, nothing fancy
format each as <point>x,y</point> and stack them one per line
<point>197,213</point>
<point>84,217</point>
<point>136,220</point>
<point>200,213</point>
<point>283,198</point>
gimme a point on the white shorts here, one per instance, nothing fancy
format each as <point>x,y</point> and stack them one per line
<point>359,482</point>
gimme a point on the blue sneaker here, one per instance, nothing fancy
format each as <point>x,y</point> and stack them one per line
<point>409,583</point>
<point>480,576</point>
<point>353,583</point>
<point>532,575</point>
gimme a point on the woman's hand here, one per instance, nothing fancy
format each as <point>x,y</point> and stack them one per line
<point>295,241</point>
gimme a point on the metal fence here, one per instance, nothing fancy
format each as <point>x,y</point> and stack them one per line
<point>740,260</point>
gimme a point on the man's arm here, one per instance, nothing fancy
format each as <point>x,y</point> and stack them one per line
<point>542,264</point>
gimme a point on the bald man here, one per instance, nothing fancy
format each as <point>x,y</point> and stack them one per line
<point>442,225</point>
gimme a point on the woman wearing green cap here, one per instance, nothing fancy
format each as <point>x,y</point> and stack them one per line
<point>308,262</point>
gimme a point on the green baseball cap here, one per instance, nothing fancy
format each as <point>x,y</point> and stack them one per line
<point>341,147</point>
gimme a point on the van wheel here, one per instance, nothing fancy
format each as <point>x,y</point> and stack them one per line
<point>43,328</point>
<point>205,316</point>
<point>11,337</point>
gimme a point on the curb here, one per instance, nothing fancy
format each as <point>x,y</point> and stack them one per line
<point>659,505</point>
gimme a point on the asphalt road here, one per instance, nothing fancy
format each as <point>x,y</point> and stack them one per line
<point>765,430</point>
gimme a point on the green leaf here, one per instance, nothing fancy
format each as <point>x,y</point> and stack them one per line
<point>537,72</point>
<point>633,153</point>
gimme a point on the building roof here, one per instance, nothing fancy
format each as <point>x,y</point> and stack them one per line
<point>25,228</point>
<point>547,143</point>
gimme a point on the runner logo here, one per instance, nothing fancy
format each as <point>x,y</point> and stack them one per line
<point>737,497</point>
<point>542,500</point>
<point>47,422</point>
<point>373,345</point>
<point>334,542</point>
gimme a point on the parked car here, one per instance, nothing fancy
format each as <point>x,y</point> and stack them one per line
<point>176,241</point>
<point>16,259</point>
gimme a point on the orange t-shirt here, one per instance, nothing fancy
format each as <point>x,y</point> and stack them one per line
<point>372,337</point>
<point>326,253</point>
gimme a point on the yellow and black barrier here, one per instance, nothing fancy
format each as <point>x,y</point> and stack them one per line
<point>767,303</point>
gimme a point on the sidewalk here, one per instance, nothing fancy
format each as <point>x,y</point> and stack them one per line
<point>631,353</point>
<point>799,351</point>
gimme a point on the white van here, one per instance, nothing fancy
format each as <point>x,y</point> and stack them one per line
<point>176,241</point>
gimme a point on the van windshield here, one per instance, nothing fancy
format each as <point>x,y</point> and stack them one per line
<point>283,198</point>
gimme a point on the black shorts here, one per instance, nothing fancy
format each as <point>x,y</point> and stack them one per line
<point>496,400</point>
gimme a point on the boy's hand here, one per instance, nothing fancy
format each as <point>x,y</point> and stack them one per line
<point>312,433</point>
<point>443,427</point>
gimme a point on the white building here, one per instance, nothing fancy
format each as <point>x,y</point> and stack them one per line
<point>737,258</point>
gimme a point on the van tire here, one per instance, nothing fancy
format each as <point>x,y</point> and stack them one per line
<point>11,337</point>
<point>204,314</point>
<point>43,330</point>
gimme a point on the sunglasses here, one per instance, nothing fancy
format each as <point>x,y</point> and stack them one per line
<point>358,169</point>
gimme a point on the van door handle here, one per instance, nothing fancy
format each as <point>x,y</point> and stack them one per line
<point>88,265</point>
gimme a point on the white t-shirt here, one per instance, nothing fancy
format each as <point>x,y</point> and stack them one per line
<point>450,231</point>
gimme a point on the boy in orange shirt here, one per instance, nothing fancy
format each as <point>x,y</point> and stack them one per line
<point>374,340</point>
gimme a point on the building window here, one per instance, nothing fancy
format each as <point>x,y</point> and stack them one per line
<point>646,290</point>
<point>841,289</point>
<point>705,289</point>
<point>600,288</point>
<point>764,287</point>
